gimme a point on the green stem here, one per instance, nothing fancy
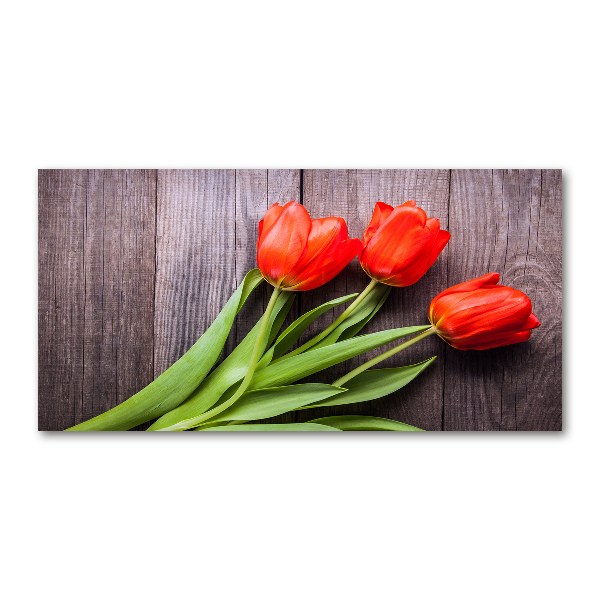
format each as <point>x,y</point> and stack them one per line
<point>310,343</point>
<point>339,382</point>
<point>256,352</point>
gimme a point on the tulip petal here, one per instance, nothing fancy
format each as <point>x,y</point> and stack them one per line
<point>532,322</point>
<point>380,213</point>
<point>401,221</point>
<point>441,242</point>
<point>469,286</point>
<point>475,284</point>
<point>401,244</point>
<point>424,261</point>
<point>483,315</point>
<point>269,219</point>
<point>470,304</point>
<point>324,233</point>
<point>496,341</point>
<point>283,241</point>
<point>326,267</point>
<point>504,311</point>
<point>396,245</point>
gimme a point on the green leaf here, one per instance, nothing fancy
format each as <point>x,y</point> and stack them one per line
<point>228,373</point>
<point>292,334</point>
<point>173,386</point>
<point>274,427</point>
<point>353,328</point>
<point>270,402</point>
<point>375,383</point>
<point>288,370</point>
<point>359,318</point>
<point>362,423</point>
<point>284,372</point>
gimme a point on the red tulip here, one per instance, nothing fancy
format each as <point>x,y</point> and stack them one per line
<point>400,244</point>
<point>479,314</point>
<point>296,253</point>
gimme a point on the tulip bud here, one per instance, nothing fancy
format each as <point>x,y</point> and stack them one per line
<point>400,244</point>
<point>478,314</point>
<point>295,253</point>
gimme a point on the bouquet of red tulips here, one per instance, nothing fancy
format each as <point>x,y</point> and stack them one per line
<point>296,254</point>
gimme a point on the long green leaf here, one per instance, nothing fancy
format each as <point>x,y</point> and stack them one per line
<point>353,329</point>
<point>174,385</point>
<point>292,334</point>
<point>228,373</point>
<point>270,402</point>
<point>217,387</point>
<point>274,427</point>
<point>288,370</point>
<point>367,309</point>
<point>362,423</point>
<point>375,383</point>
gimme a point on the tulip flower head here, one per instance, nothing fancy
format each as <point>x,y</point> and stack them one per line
<point>296,253</point>
<point>479,314</point>
<point>400,244</point>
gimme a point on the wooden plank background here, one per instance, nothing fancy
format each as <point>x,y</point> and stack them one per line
<point>134,265</point>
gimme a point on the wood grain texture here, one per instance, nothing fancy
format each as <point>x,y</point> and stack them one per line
<point>505,222</point>
<point>134,265</point>
<point>97,238</point>
<point>352,195</point>
<point>195,257</point>
<point>256,190</point>
<point>61,296</point>
<point>120,238</point>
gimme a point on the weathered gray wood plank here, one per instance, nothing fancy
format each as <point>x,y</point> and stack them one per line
<point>330,193</point>
<point>250,206</point>
<point>420,402</point>
<point>61,296</point>
<point>541,408</point>
<point>472,396</point>
<point>195,257</point>
<point>494,219</point>
<point>256,191</point>
<point>352,195</point>
<point>120,236</point>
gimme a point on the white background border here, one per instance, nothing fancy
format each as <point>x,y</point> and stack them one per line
<point>316,84</point>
